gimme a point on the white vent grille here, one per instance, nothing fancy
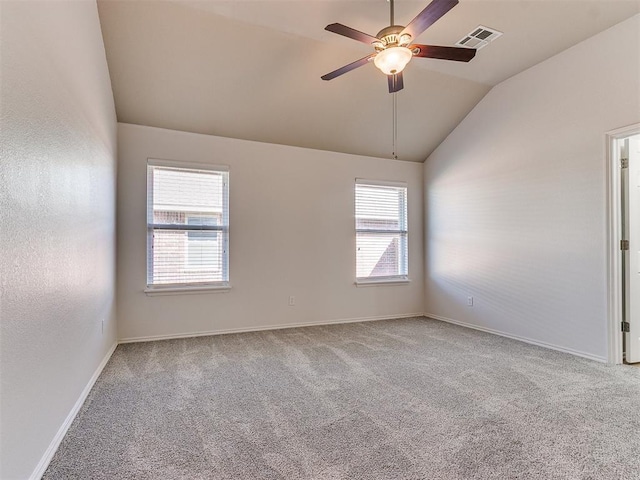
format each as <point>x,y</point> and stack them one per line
<point>480,37</point>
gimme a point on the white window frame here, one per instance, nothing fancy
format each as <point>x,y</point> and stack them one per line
<point>403,230</point>
<point>188,287</point>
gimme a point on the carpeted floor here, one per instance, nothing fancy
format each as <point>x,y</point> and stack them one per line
<point>398,399</point>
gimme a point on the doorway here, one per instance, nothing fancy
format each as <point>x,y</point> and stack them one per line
<point>623,147</point>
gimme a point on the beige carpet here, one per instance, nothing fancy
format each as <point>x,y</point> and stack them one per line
<point>398,399</point>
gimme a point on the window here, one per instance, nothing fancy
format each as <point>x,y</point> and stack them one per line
<point>187,226</point>
<point>381,231</point>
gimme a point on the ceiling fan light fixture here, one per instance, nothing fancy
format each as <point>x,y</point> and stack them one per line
<point>392,60</point>
<point>404,40</point>
<point>394,45</point>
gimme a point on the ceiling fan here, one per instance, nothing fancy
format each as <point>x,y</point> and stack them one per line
<point>393,47</point>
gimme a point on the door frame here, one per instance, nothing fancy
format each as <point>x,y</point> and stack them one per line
<point>614,229</point>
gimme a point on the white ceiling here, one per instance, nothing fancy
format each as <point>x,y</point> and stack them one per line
<point>251,69</point>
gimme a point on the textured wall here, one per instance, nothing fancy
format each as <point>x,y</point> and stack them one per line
<point>516,201</point>
<point>292,232</point>
<point>57,209</point>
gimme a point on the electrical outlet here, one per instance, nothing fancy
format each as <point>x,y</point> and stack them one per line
<point>470,301</point>
<point>292,301</point>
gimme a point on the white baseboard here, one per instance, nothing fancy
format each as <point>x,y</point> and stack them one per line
<point>55,443</point>
<point>152,338</point>
<point>516,337</point>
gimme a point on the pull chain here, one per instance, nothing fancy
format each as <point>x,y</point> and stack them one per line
<point>394,115</point>
<point>394,127</point>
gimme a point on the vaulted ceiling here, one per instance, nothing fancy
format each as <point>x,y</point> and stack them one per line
<point>251,69</point>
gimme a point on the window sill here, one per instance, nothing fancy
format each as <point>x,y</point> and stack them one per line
<point>381,283</point>
<point>186,290</point>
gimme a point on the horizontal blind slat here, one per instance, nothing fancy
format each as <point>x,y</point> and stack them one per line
<point>181,227</point>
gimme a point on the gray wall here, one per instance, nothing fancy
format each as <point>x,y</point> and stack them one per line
<point>57,183</point>
<point>292,232</point>
<point>516,198</point>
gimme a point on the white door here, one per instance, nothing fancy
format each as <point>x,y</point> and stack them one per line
<point>632,256</point>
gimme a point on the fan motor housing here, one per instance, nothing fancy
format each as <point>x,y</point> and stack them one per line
<point>390,36</point>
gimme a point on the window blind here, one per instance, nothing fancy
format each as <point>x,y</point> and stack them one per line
<point>381,231</point>
<point>187,226</point>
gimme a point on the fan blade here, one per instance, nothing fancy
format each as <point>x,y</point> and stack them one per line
<point>348,68</point>
<point>457,54</point>
<point>351,33</point>
<point>395,82</point>
<point>428,16</point>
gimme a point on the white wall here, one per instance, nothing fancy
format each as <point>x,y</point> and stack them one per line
<point>291,233</point>
<point>57,209</point>
<point>515,198</point>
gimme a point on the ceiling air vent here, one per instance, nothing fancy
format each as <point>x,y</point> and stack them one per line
<point>478,38</point>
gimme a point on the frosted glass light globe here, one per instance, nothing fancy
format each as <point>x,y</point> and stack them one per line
<point>392,60</point>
